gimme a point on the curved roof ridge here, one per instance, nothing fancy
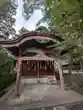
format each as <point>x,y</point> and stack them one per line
<point>30,35</point>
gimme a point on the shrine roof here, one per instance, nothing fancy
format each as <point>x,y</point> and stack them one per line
<point>30,40</point>
<point>30,35</point>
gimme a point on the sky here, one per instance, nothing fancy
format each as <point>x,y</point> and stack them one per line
<point>28,24</point>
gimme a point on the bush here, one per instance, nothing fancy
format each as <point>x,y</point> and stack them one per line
<point>5,81</point>
<point>7,63</point>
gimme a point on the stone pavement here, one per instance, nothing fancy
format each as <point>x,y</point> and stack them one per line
<point>31,93</point>
<point>40,95</point>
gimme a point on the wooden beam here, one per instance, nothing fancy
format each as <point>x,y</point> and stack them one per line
<point>43,58</point>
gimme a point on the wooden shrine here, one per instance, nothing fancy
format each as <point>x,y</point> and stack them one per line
<point>34,58</point>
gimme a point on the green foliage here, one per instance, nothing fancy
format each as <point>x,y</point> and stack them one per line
<point>65,14</point>
<point>67,18</point>
<point>3,1</point>
<point>7,64</point>
<point>5,81</point>
<point>42,29</point>
<point>7,11</point>
<point>23,31</point>
<point>6,61</point>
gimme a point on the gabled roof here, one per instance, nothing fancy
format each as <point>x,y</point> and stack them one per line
<point>30,40</point>
<point>30,35</point>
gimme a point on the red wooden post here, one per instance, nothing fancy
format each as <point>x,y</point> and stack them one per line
<point>38,70</point>
<point>18,75</point>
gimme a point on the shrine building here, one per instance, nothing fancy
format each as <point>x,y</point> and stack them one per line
<point>36,58</point>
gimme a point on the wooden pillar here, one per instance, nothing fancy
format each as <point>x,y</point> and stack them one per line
<point>45,70</point>
<point>38,70</point>
<point>18,75</point>
<point>61,78</point>
<point>54,72</point>
<point>58,65</point>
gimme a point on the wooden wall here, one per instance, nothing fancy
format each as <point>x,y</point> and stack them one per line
<point>30,69</point>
